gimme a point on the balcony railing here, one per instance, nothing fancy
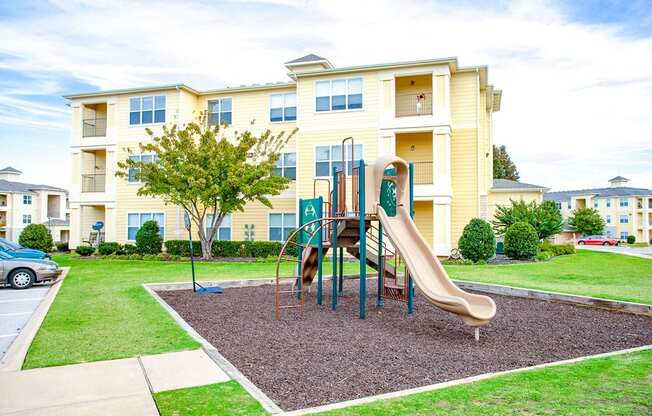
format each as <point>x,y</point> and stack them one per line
<point>94,127</point>
<point>3,204</point>
<point>413,104</point>
<point>423,173</point>
<point>93,182</point>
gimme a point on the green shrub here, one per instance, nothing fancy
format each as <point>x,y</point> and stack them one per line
<point>477,241</point>
<point>255,249</point>
<point>631,239</point>
<point>129,249</point>
<point>85,250</point>
<point>62,246</point>
<point>521,241</point>
<point>134,257</point>
<point>148,239</point>
<point>464,262</point>
<point>557,249</point>
<point>36,236</point>
<point>109,248</point>
<point>182,248</point>
<point>544,255</point>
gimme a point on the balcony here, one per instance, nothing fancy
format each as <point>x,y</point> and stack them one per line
<point>94,127</point>
<point>93,182</point>
<point>414,104</point>
<point>423,172</point>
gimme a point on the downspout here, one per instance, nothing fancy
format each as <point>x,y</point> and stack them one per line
<point>477,139</point>
<point>179,229</point>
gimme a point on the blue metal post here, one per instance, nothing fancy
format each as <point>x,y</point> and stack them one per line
<point>334,243</point>
<point>341,275</point>
<point>320,252</point>
<point>410,281</point>
<point>300,251</point>
<point>363,243</point>
<point>379,300</point>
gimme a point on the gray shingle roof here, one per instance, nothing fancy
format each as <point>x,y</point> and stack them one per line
<point>618,178</point>
<point>597,192</point>
<point>308,58</point>
<point>9,186</point>
<point>9,169</point>
<point>509,184</point>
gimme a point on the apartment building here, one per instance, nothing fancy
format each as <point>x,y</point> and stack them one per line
<point>23,203</point>
<point>504,191</point>
<point>433,112</point>
<point>625,210</point>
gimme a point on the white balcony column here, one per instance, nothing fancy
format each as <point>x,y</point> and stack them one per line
<point>110,222</point>
<point>111,122</point>
<point>441,226</point>
<point>386,144</point>
<point>75,226</point>
<point>441,159</point>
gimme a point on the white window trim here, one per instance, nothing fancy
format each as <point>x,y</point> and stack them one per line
<point>284,121</point>
<point>31,200</point>
<point>282,159</point>
<point>141,158</point>
<point>314,158</point>
<point>220,112</point>
<point>165,229</point>
<point>29,217</point>
<point>217,235</point>
<point>141,110</point>
<point>330,111</point>
<point>269,222</point>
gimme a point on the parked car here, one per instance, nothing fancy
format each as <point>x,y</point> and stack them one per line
<point>23,273</point>
<point>597,240</point>
<point>16,250</point>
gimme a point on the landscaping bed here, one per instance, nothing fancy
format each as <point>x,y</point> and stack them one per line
<point>331,356</point>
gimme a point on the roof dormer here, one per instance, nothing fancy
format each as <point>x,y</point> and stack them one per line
<point>618,182</point>
<point>308,63</point>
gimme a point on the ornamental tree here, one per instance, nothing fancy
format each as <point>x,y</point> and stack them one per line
<point>545,217</point>
<point>504,168</point>
<point>209,175</point>
<point>586,221</point>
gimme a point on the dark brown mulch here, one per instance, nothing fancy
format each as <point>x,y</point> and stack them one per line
<point>332,356</point>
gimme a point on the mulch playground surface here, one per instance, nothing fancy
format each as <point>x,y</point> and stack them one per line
<point>333,356</point>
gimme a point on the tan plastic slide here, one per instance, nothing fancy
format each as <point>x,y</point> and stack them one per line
<point>427,272</point>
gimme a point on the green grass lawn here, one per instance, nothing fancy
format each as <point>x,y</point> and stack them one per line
<point>619,385</point>
<point>602,275</point>
<point>102,312</point>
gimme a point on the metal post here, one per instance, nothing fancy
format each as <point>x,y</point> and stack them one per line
<point>320,253</point>
<point>340,286</point>
<point>410,281</point>
<point>300,251</point>
<point>363,242</point>
<point>334,243</point>
<point>381,265</point>
<point>192,260</point>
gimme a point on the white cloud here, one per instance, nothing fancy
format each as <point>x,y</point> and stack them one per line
<point>576,108</point>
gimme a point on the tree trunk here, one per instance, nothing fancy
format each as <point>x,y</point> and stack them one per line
<point>206,249</point>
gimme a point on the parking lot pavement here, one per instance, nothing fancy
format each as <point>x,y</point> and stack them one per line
<point>16,308</point>
<point>643,252</point>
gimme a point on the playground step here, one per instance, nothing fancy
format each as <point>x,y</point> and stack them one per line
<point>372,261</point>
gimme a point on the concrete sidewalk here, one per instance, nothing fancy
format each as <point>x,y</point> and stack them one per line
<point>120,387</point>
<point>642,252</point>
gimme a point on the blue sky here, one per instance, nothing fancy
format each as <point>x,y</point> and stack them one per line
<point>576,76</point>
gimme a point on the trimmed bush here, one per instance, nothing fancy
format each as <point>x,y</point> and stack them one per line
<point>544,255</point>
<point>109,248</point>
<point>521,241</point>
<point>631,239</point>
<point>557,249</point>
<point>62,246</point>
<point>148,239</point>
<point>477,242</point>
<point>256,249</point>
<point>129,249</point>
<point>36,236</point>
<point>85,251</point>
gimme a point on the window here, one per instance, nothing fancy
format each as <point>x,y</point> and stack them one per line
<point>558,204</point>
<point>27,200</point>
<point>147,110</point>
<point>136,220</point>
<point>140,158</point>
<point>608,219</point>
<point>569,204</point>
<point>27,219</point>
<point>341,94</point>
<point>624,202</point>
<point>624,219</point>
<point>223,231</point>
<point>609,234</point>
<point>283,107</point>
<point>624,235</point>
<point>595,203</point>
<point>608,202</point>
<point>280,226</point>
<point>327,157</point>
<point>286,166</point>
<point>220,111</point>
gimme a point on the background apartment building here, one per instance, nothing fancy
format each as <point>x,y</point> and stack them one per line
<point>625,210</point>
<point>22,204</point>
<point>433,113</point>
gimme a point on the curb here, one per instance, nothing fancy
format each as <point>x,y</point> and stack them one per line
<point>15,356</point>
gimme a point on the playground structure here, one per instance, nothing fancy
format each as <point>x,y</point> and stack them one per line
<point>379,231</point>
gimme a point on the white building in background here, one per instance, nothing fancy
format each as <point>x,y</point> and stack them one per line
<point>23,203</point>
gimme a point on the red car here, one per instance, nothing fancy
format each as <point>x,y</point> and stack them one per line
<point>597,240</point>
